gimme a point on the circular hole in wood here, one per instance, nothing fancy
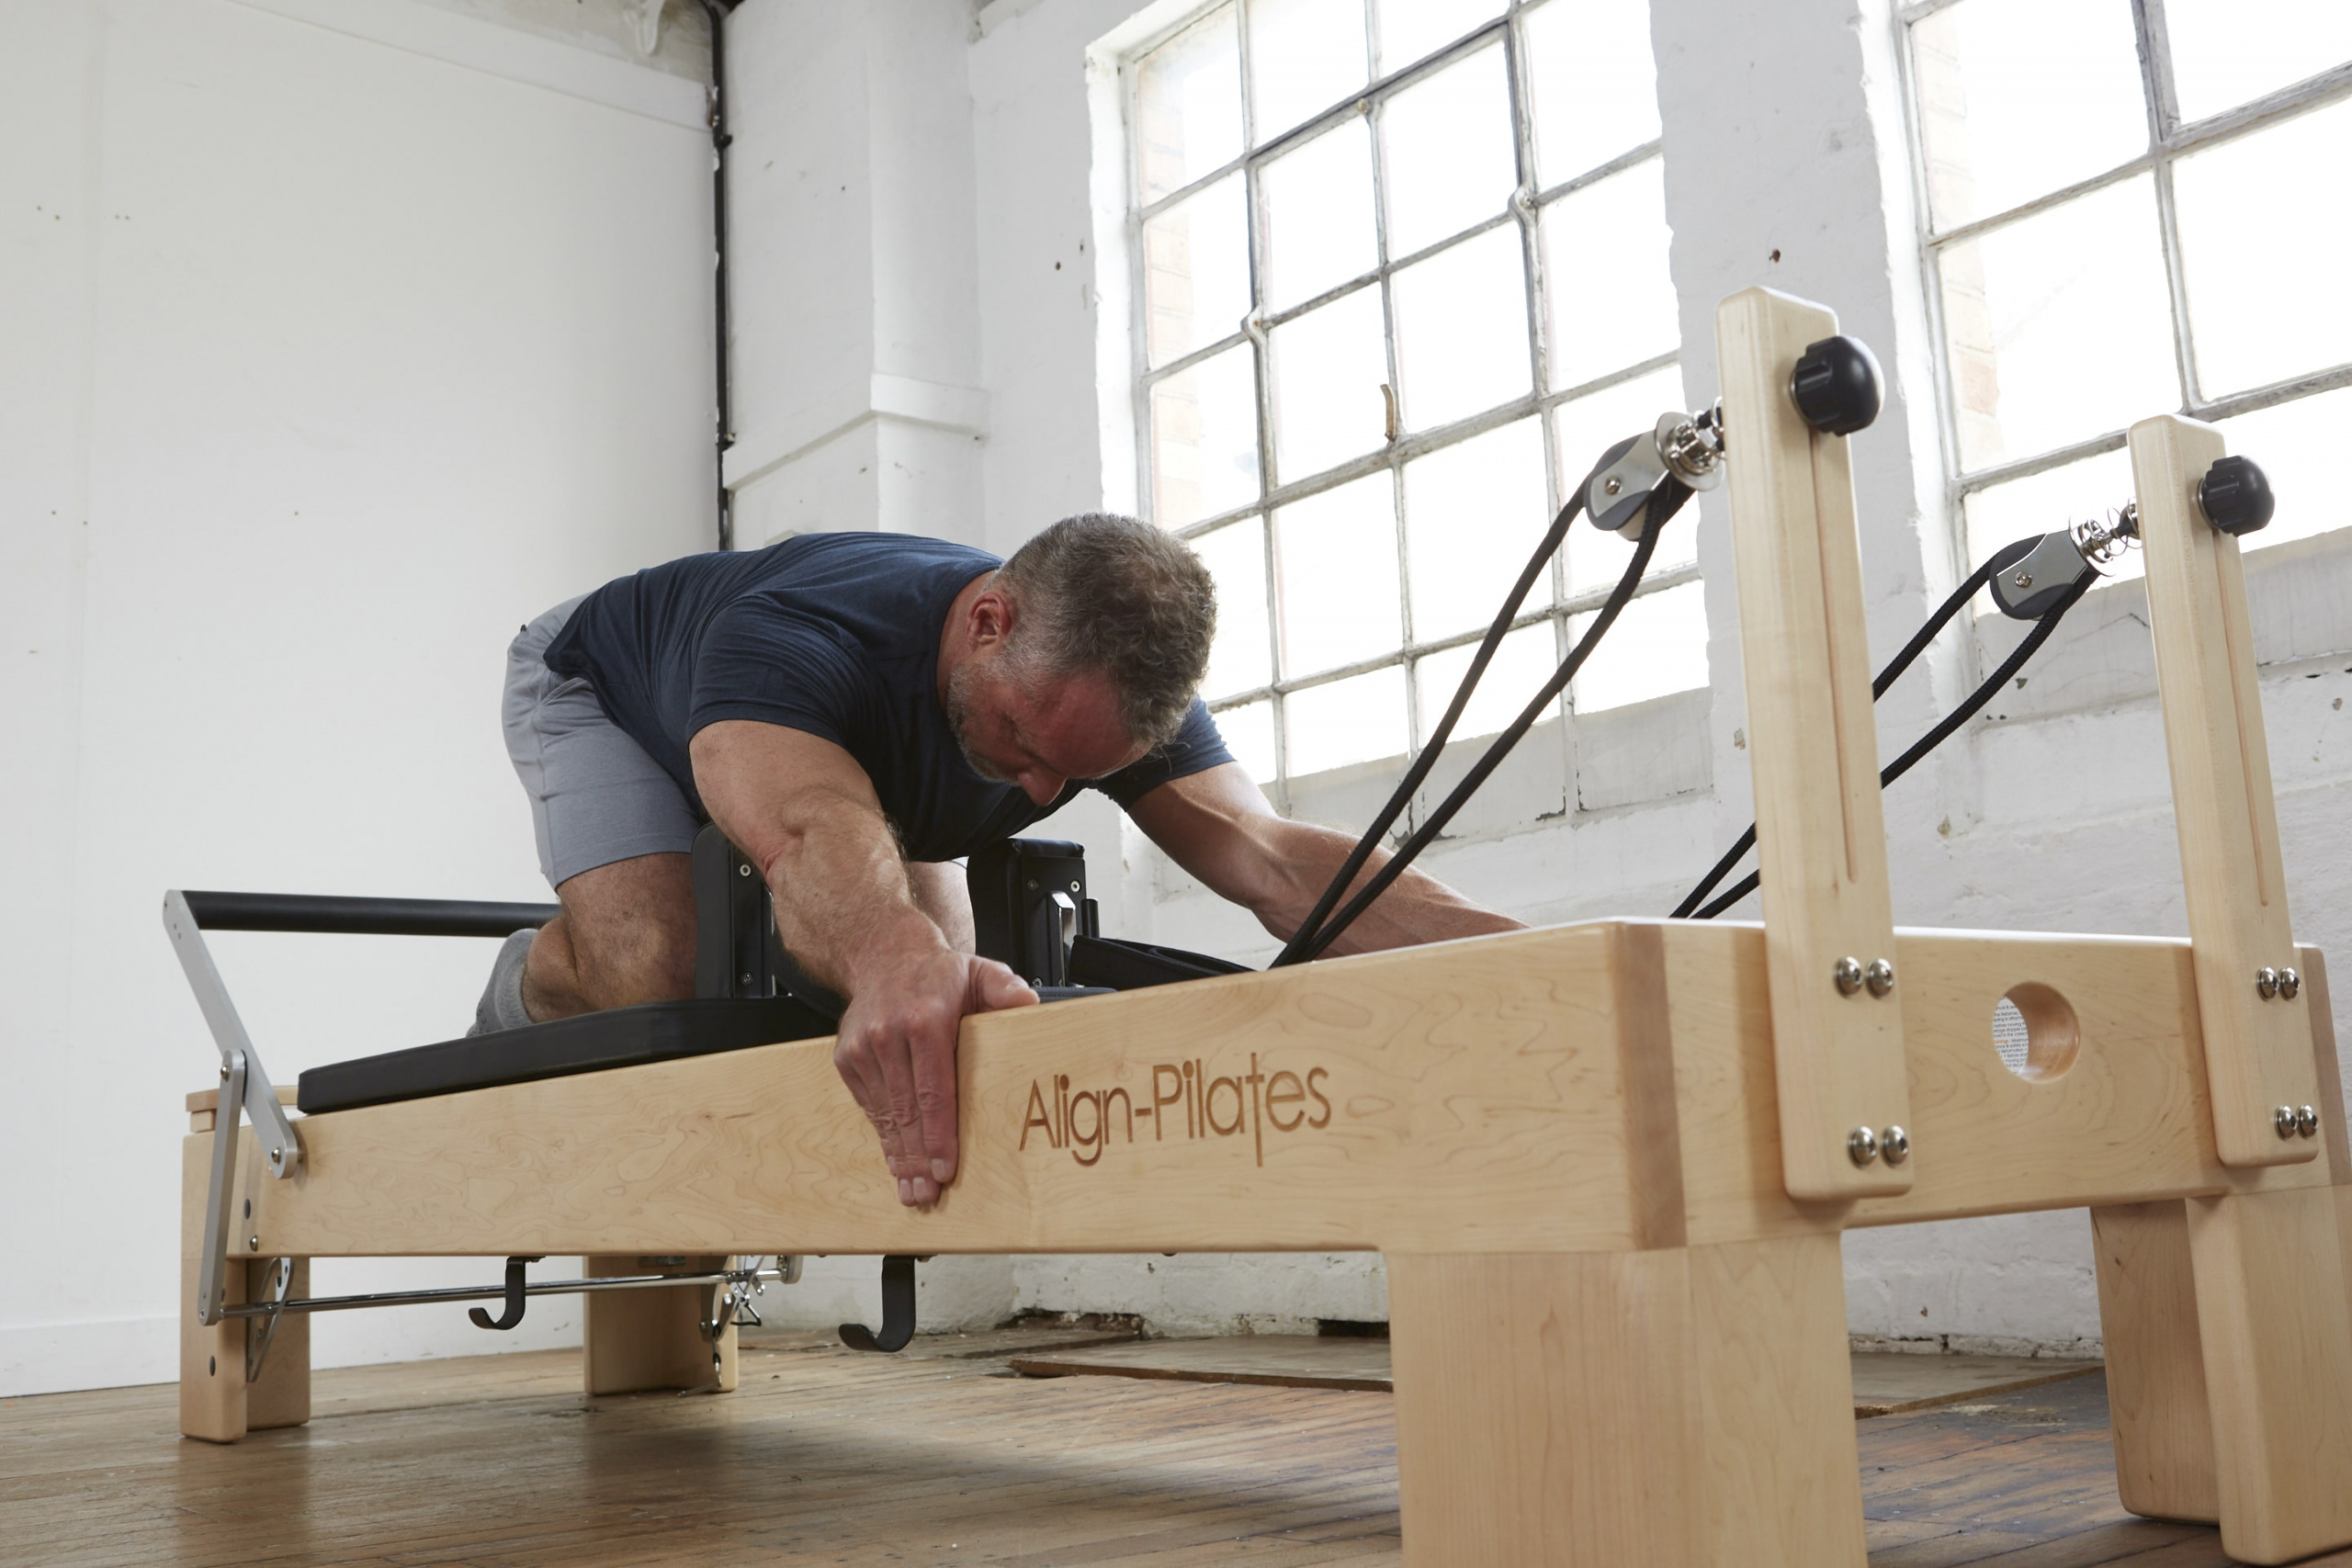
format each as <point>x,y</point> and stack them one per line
<point>2035,1032</point>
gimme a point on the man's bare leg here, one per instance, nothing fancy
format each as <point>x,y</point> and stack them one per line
<point>626,936</point>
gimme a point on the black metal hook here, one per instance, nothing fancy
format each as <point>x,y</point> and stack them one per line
<point>513,1313</point>
<point>898,1310</point>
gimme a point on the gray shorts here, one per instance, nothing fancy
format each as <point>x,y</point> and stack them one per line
<point>596,796</point>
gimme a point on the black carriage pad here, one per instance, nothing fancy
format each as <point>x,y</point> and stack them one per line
<point>622,1037</point>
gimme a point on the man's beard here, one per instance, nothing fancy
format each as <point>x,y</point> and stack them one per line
<point>960,682</point>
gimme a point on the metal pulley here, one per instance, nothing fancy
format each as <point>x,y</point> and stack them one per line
<point>1689,447</point>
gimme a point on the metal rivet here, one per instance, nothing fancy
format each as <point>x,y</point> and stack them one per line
<point>1880,977</point>
<point>1896,1144</point>
<point>2285,1119</point>
<point>1073,887</point>
<point>254,1242</point>
<point>743,870</point>
<point>2307,1120</point>
<point>278,1157</point>
<point>224,1072</point>
<point>2023,580</point>
<point>1611,485</point>
<point>1862,1145</point>
<point>746,979</point>
<point>2266,982</point>
<point>2290,983</point>
<point>1848,975</point>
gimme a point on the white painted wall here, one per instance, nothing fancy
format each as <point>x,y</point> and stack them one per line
<point>342,337</point>
<point>1783,131</point>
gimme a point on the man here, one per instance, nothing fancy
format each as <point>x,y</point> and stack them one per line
<point>854,710</point>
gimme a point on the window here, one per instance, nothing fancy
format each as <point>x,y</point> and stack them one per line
<point>1401,275</point>
<point>2131,206</point>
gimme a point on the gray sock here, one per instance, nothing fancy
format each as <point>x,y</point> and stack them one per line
<point>502,1000</point>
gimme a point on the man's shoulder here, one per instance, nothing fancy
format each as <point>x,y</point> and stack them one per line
<point>877,552</point>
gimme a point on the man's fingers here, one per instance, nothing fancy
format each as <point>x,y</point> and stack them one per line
<point>893,1054</point>
<point>935,1079</point>
<point>994,987</point>
<point>854,1058</point>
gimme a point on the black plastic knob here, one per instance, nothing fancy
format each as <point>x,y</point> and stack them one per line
<point>1836,385</point>
<point>2235,495</point>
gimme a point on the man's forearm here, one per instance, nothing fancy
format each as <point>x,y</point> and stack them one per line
<point>1414,908</point>
<point>844,906</point>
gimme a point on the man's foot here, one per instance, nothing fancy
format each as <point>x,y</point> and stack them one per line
<point>502,1000</point>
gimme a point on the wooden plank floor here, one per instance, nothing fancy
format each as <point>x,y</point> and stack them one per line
<point>1884,1383</point>
<point>940,1456</point>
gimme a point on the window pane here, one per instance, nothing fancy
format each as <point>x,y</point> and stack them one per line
<point>1329,366</point>
<point>1585,117</point>
<point>1318,215</point>
<point>1249,732</point>
<point>1360,719</point>
<point>1196,271</point>
<point>1412,30</point>
<point>2017,98</point>
<point>2299,446</point>
<point>1304,56</point>
<point>1462,330</point>
<point>2226,51</point>
<point>1611,295</point>
<point>2264,254</point>
<point>1447,146</point>
<point>1188,102</point>
<point>1524,661</point>
<point>1243,656</point>
<point>2027,508</point>
<point>1473,512</point>
<point>1205,440</point>
<point>1657,646</point>
<point>2058,326</point>
<point>1588,427</point>
<point>1337,556</point>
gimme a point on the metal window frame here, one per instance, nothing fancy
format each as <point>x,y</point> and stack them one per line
<point>1525,208</point>
<point>2169,141</point>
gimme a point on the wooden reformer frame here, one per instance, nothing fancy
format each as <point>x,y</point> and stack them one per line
<point>1607,1164</point>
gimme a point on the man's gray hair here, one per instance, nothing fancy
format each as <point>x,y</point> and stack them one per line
<point>1099,591</point>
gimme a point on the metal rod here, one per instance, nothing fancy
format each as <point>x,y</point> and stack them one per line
<point>361,916</point>
<point>498,1292</point>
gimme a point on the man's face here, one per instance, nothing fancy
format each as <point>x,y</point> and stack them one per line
<point>1038,733</point>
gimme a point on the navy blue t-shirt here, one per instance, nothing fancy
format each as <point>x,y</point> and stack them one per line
<point>836,635</point>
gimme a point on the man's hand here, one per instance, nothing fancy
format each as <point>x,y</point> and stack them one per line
<point>848,908</point>
<point>897,1053</point>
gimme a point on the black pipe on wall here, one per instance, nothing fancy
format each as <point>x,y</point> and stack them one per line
<point>720,137</point>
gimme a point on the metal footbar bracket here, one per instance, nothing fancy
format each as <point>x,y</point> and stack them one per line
<point>244,1084</point>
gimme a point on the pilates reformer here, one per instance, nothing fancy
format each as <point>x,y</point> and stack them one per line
<point>1608,1164</point>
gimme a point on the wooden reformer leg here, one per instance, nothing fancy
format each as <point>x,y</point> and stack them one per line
<point>2157,1409</point>
<point>2277,1329</point>
<point>216,1402</point>
<point>1680,1406</point>
<point>2159,1358</point>
<point>634,1340</point>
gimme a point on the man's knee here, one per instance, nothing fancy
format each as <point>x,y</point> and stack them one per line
<point>627,932</point>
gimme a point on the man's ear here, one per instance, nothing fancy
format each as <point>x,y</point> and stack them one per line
<point>992,616</point>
